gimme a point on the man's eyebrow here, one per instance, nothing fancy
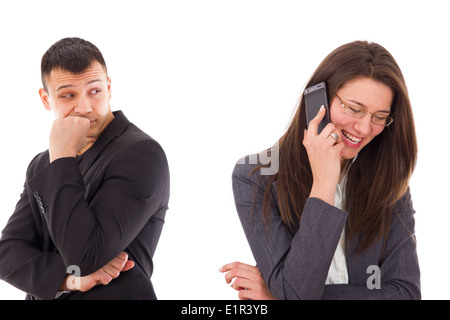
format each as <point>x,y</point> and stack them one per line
<point>71,85</point>
<point>94,80</point>
<point>362,105</point>
<point>63,87</point>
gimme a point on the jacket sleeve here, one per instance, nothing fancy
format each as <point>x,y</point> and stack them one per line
<point>22,263</point>
<point>399,272</point>
<point>295,266</point>
<point>90,234</point>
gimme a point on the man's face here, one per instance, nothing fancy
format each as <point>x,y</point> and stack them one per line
<point>81,95</point>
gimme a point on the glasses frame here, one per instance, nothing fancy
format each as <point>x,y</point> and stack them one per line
<point>389,119</point>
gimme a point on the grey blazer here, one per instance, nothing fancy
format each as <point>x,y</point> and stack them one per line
<point>295,265</point>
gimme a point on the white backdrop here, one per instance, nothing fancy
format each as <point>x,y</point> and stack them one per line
<point>213,81</point>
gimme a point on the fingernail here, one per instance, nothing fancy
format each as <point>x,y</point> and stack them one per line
<point>322,107</point>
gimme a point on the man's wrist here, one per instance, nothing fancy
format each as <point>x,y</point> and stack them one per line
<point>70,283</point>
<point>55,155</point>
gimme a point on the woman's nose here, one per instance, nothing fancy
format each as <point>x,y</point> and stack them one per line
<point>364,125</point>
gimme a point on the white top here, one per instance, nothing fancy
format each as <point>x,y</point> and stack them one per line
<point>337,274</point>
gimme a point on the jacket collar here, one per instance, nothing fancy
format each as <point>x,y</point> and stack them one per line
<point>113,130</point>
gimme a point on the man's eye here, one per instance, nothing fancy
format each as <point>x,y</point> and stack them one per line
<point>95,91</point>
<point>65,96</point>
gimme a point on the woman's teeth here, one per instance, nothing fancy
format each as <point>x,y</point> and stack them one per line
<point>351,138</point>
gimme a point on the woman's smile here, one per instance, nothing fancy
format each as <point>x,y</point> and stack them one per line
<point>351,140</point>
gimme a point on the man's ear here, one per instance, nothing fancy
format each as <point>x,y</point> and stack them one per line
<point>45,98</point>
<point>109,87</point>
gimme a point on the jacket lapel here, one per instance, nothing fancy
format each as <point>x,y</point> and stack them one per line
<point>113,130</point>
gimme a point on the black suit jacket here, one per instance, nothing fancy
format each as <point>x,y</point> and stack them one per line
<point>84,211</point>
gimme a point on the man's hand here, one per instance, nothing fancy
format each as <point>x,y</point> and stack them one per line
<point>68,137</point>
<point>102,276</point>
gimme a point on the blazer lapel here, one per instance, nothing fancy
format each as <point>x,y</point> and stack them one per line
<point>114,129</point>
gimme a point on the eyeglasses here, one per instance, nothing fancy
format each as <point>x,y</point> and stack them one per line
<point>378,118</point>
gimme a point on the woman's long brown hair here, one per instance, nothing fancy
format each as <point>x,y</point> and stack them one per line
<point>380,175</point>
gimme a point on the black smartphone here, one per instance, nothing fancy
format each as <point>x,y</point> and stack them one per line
<point>315,97</point>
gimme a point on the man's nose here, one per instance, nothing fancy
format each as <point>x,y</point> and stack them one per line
<point>83,106</point>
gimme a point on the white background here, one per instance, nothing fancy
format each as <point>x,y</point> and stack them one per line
<point>213,81</point>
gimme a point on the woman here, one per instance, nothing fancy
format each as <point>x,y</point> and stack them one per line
<point>336,221</point>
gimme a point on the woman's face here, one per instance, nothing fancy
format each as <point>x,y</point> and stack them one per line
<point>356,133</point>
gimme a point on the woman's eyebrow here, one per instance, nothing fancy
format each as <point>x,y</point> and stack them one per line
<point>362,105</point>
<point>358,103</point>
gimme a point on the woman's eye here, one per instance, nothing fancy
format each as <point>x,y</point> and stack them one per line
<point>354,110</point>
<point>379,117</point>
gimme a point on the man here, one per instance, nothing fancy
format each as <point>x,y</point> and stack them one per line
<point>94,203</point>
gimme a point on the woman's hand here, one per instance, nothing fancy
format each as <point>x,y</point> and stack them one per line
<point>324,153</point>
<point>247,280</point>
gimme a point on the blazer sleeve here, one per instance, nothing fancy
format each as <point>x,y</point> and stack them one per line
<point>22,263</point>
<point>90,234</point>
<point>398,263</point>
<point>294,266</point>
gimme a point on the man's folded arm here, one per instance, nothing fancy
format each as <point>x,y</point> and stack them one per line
<point>22,263</point>
<point>90,234</point>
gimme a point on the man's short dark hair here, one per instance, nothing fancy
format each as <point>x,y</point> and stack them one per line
<point>73,55</point>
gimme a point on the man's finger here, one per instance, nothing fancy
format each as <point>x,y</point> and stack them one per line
<point>128,265</point>
<point>103,277</point>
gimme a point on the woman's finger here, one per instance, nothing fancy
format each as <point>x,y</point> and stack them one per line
<point>332,138</point>
<point>242,283</point>
<point>255,289</point>
<point>328,130</point>
<point>240,273</point>
<point>324,139</point>
<point>234,265</point>
<point>314,123</point>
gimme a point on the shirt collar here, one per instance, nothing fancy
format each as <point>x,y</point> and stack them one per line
<point>114,129</point>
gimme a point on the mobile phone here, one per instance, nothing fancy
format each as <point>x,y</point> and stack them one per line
<point>315,97</point>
